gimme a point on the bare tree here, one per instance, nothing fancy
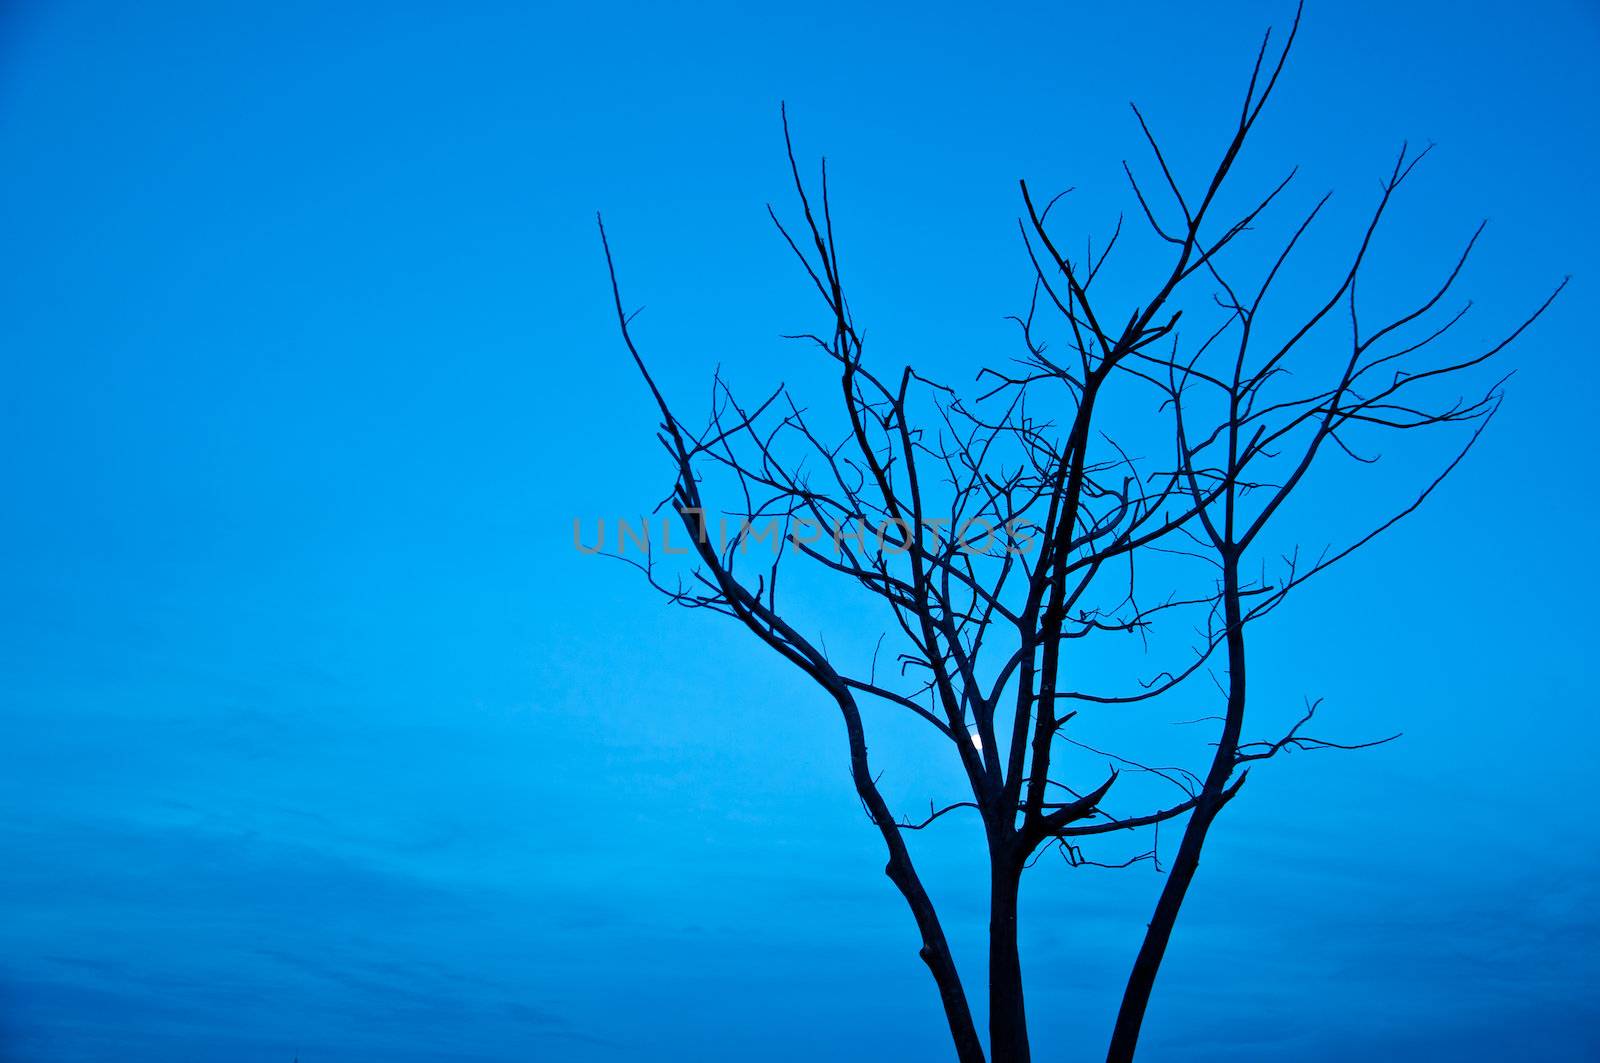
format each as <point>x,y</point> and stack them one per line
<point>1007,534</point>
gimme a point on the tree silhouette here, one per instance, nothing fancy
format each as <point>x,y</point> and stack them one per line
<point>1006,535</point>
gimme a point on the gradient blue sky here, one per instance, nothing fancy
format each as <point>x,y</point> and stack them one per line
<point>320,740</point>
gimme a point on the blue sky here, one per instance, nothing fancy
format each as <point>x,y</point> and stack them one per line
<point>321,740</point>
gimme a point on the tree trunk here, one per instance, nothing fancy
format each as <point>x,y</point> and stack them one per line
<point>1215,793</point>
<point>1142,979</point>
<point>1008,1023</point>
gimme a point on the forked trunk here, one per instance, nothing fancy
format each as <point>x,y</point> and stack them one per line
<point>1142,979</point>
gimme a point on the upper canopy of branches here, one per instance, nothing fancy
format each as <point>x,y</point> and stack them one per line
<point>1001,528</point>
